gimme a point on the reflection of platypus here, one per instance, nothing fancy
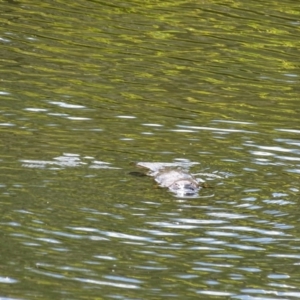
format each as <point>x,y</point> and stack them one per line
<point>173,176</point>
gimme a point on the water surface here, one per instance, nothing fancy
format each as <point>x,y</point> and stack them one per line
<point>88,88</point>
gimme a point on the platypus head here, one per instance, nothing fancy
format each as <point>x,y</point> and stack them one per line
<point>184,187</point>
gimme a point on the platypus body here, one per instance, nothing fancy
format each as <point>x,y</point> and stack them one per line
<point>173,176</point>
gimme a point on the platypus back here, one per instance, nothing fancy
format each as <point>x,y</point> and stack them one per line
<point>177,179</point>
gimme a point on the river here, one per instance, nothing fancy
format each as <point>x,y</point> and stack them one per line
<point>88,89</point>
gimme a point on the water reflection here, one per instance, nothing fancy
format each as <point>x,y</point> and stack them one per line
<point>67,160</point>
<point>88,87</point>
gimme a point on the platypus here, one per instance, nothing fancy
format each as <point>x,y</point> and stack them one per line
<point>173,176</point>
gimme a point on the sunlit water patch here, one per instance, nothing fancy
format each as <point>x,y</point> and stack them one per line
<point>67,160</point>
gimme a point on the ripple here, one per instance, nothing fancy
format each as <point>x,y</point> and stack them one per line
<point>214,293</point>
<point>66,105</point>
<point>246,247</point>
<point>34,109</point>
<point>107,283</point>
<point>7,124</point>
<point>228,215</point>
<point>7,280</point>
<point>152,125</point>
<point>3,93</point>
<point>67,160</point>
<point>278,276</point>
<point>200,221</point>
<point>105,257</point>
<point>228,130</point>
<point>158,232</point>
<point>126,117</point>
<point>171,225</point>
<point>125,279</point>
<point>78,118</point>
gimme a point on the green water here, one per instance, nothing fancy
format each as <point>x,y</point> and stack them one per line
<point>89,88</point>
